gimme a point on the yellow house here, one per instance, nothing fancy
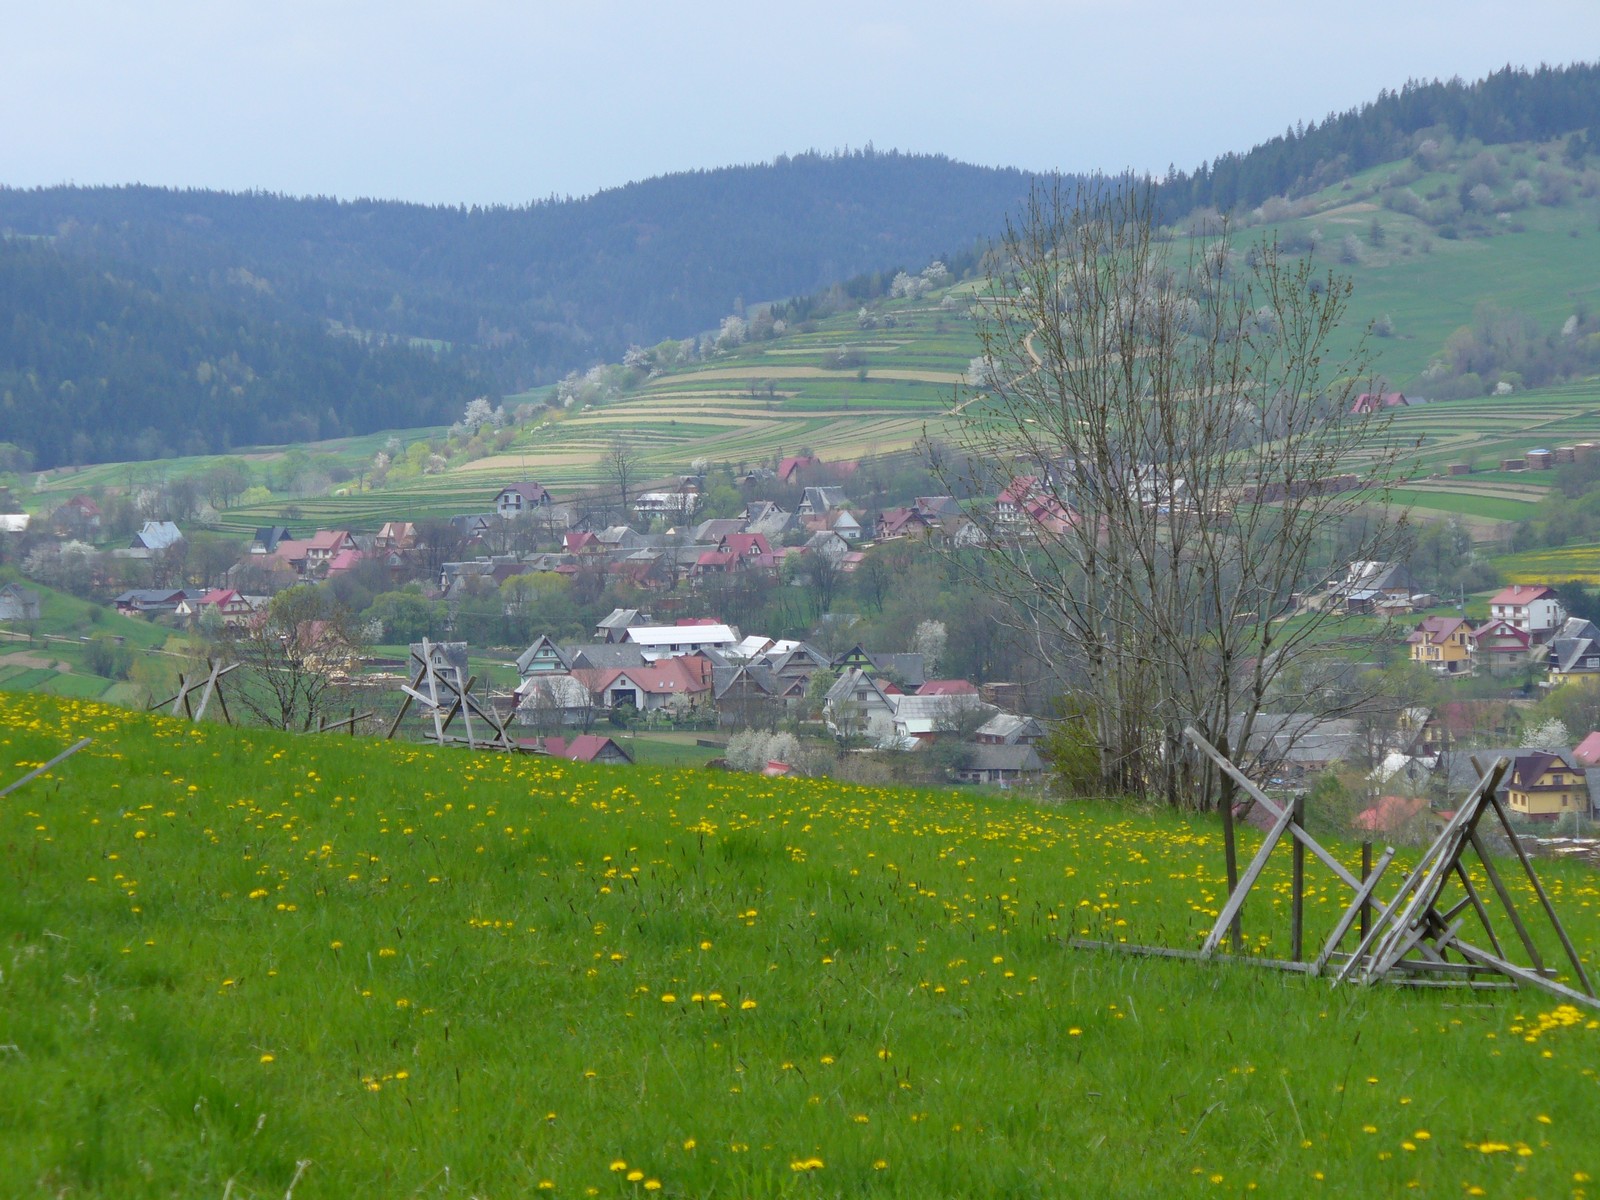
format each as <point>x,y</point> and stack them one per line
<point>1443,644</point>
<point>1547,786</point>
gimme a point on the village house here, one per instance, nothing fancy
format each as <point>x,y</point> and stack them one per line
<point>1366,584</point>
<point>675,683</point>
<point>790,469</point>
<point>18,603</point>
<point>395,536</point>
<point>1370,402</point>
<point>1573,651</point>
<point>1442,644</point>
<point>1008,729</point>
<point>667,641</point>
<point>554,700</point>
<point>1532,608</point>
<point>149,602</point>
<point>326,545</point>
<point>544,657</point>
<point>920,719</point>
<point>1011,505</point>
<point>895,523</point>
<point>268,538</point>
<point>515,499</point>
<point>1000,765</point>
<point>815,501</point>
<point>156,535</point>
<point>860,705</point>
<point>1545,786</point>
<point>585,748</point>
<point>1500,646</point>
<point>614,626</point>
<point>233,608</point>
<point>79,517</point>
<point>682,503</point>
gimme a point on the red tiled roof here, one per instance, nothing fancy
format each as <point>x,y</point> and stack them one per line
<point>1522,594</point>
<point>1587,752</point>
<point>947,687</point>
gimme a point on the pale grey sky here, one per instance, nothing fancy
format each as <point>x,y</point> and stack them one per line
<point>499,101</point>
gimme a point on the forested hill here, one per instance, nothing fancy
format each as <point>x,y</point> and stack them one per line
<point>1511,105</point>
<point>556,284</point>
<point>100,362</point>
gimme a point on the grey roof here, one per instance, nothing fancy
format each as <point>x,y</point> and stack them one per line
<point>1299,739</point>
<point>821,499</point>
<point>1461,776</point>
<point>772,522</point>
<point>604,655</point>
<point>620,618</point>
<point>983,757</point>
<point>157,535</point>
<point>724,677</point>
<point>1008,727</point>
<point>804,658</point>
<point>717,528</point>
<point>905,668</point>
<point>525,659</point>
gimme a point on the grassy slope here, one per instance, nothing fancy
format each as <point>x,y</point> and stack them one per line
<point>433,973</point>
<point>48,655</point>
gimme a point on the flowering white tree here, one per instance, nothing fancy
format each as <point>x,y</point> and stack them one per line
<point>929,641</point>
<point>479,413</point>
<point>733,332</point>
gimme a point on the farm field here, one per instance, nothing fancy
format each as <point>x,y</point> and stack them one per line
<point>243,963</point>
<point>1558,565</point>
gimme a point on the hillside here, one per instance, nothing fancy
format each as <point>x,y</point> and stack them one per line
<point>539,289</point>
<point>347,317</point>
<point>102,361</point>
<point>529,975</point>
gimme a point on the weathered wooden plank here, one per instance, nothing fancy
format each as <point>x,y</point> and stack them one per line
<point>1261,798</point>
<point>1236,898</point>
<point>1358,906</point>
<point>54,762</point>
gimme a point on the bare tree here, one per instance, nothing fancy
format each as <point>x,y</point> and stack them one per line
<point>294,653</point>
<point>1170,444</point>
<point>622,466</point>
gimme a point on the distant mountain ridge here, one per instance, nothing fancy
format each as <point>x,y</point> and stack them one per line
<point>350,316</point>
<point>555,284</point>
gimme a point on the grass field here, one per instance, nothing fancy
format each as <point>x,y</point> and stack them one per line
<point>1581,563</point>
<point>239,961</point>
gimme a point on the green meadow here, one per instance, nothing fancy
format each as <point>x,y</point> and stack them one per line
<point>239,963</point>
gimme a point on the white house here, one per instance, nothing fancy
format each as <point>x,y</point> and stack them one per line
<point>518,498</point>
<point>1532,608</point>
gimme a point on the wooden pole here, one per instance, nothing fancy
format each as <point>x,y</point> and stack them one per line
<point>1230,856</point>
<point>1297,929</point>
<point>1366,872</point>
<point>38,771</point>
<point>1544,897</point>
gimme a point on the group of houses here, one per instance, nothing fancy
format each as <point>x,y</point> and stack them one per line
<point>1430,751</point>
<point>1528,627</point>
<point>877,700</point>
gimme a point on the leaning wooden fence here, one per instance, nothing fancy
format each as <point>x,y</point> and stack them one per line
<point>1416,937</point>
